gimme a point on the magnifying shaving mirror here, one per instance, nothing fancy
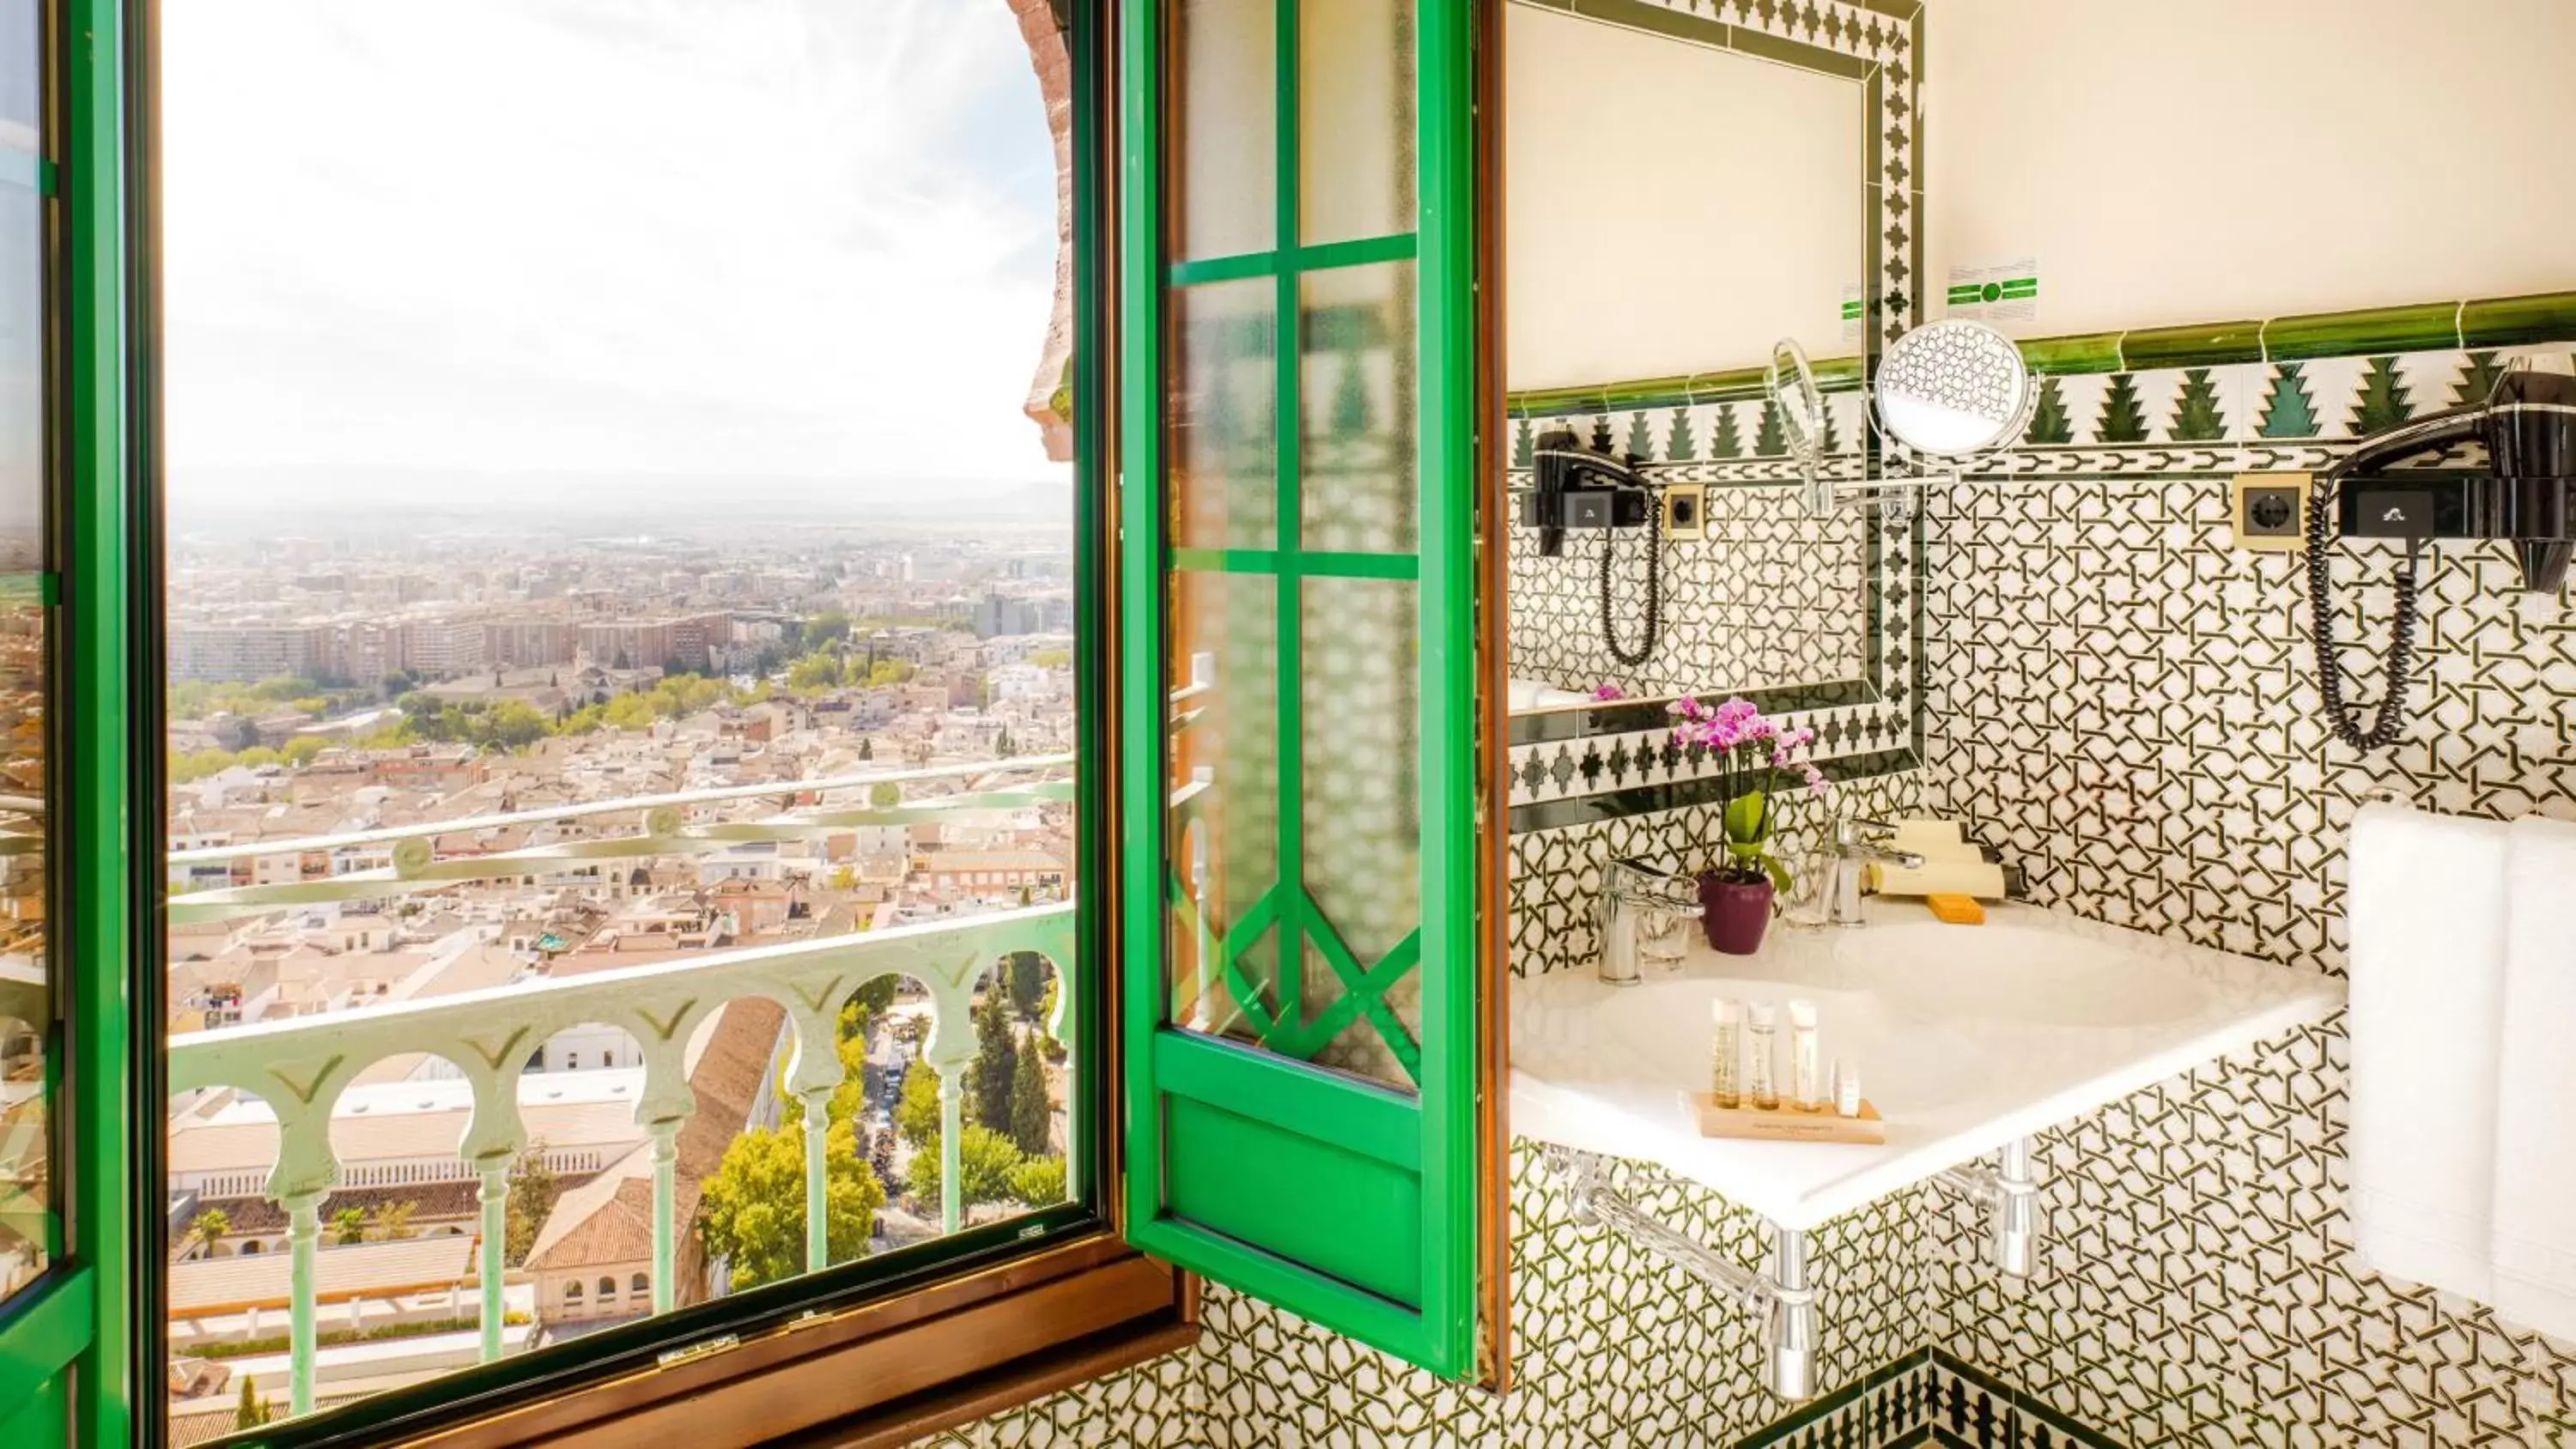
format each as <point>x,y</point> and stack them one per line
<point>1800,407</point>
<point>1949,391</point>
<point>1954,390</point>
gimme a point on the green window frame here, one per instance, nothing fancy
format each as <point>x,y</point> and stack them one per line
<point>66,1341</point>
<point>1349,1200</point>
<point>80,1349</point>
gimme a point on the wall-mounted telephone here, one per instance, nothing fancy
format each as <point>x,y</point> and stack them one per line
<point>1594,488</point>
<point>2523,493</point>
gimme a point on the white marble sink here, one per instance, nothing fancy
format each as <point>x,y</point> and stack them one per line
<point>2024,973</point>
<point>1966,1037</point>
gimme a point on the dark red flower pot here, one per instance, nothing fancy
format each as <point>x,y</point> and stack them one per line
<point>1734,913</point>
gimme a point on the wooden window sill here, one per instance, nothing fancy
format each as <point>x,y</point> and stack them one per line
<point>883,1374</point>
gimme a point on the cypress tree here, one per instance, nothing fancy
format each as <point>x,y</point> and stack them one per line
<point>1029,1108</point>
<point>996,1059</point>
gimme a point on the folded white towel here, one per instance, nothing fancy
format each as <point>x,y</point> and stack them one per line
<point>2426,906</point>
<point>2535,1195</point>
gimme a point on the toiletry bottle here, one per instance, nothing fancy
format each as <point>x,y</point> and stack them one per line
<point>1846,1091</point>
<point>1806,1068</point>
<point>1761,1071</point>
<point>1726,1051</point>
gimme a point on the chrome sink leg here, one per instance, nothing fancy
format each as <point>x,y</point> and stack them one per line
<point>2017,1222</point>
<point>2010,1196</point>
<point>1790,1368</point>
<point>1782,1300</point>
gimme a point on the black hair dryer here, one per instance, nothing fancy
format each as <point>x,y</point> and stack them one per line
<point>2528,428</point>
<point>1580,487</point>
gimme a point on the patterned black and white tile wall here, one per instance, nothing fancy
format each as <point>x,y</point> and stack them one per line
<point>2129,706</point>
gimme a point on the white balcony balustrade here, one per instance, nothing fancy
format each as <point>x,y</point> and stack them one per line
<point>300,1065</point>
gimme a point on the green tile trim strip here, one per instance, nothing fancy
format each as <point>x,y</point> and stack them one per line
<point>2427,328</point>
<point>2372,331</point>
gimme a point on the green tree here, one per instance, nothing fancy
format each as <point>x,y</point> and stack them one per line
<point>752,1211</point>
<point>208,1228</point>
<point>1046,1013</point>
<point>2123,420</point>
<point>2049,422</point>
<point>985,1161</point>
<point>1682,448</point>
<point>1028,973</point>
<point>887,673</point>
<point>2477,379</point>
<point>1724,442</point>
<point>916,1111</point>
<point>2288,412</point>
<point>867,747</point>
<point>2384,401</point>
<point>349,1225</point>
<point>393,1221</point>
<point>828,627</point>
<point>867,1004</point>
<point>816,671</point>
<point>513,724</point>
<point>2198,416</point>
<point>301,750</point>
<point>1030,1109</point>
<point>251,1410</point>
<point>885,795</point>
<point>996,1058</point>
<point>629,712</point>
<point>533,1190</point>
<point>1039,1182</point>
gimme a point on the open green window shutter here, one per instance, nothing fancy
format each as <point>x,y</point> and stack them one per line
<point>1297,629</point>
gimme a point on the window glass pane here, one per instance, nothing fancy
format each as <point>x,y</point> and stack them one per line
<point>29,1216</point>
<point>1222,132</point>
<point>1222,836</point>
<point>1355,133</point>
<point>1358,490</point>
<point>28,1205</point>
<point>617,548</point>
<point>1223,414</point>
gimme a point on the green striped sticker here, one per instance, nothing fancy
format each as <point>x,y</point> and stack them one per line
<point>2010,289</point>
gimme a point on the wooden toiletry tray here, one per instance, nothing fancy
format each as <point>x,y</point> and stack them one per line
<point>1785,1124</point>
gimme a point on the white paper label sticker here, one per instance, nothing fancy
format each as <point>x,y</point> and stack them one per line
<point>1999,292</point>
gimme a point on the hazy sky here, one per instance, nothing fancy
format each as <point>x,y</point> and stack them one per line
<point>688,236</point>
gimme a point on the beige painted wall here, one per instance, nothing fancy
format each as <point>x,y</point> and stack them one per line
<point>1667,207</point>
<point>2203,160</point>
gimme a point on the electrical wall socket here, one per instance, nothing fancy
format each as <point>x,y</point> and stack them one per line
<point>2270,511</point>
<point>1685,510</point>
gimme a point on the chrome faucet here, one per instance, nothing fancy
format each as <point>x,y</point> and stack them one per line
<point>1854,850</point>
<point>1644,913</point>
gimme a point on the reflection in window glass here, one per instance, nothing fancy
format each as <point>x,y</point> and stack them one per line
<point>621,530</point>
<point>29,1225</point>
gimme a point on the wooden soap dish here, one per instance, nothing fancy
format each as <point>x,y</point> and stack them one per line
<point>1785,1124</point>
